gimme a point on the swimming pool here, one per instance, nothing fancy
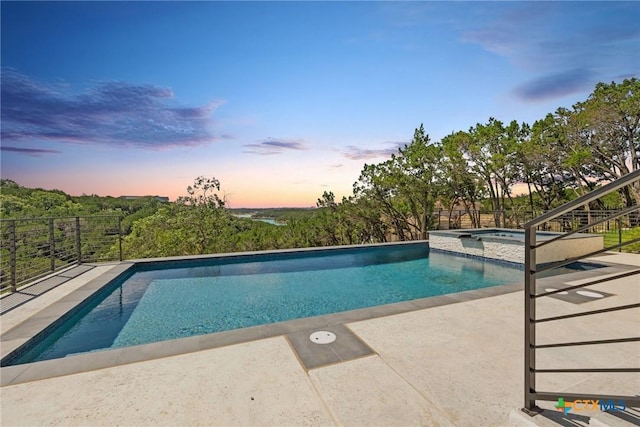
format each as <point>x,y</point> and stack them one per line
<point>168,300</point>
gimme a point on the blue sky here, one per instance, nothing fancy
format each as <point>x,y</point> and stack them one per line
<point>280,100</point>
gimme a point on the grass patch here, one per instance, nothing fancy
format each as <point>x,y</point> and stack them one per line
<point>612,238</point>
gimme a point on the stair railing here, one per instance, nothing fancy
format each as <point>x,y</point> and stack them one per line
<point>531,394</point>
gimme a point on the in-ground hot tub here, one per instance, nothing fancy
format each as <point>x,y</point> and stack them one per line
<point>504,244</point>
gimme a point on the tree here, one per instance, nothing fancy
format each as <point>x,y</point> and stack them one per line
<point>542,163</point>
<point>329,221</point>
<point>375,189</point>
<point>196,224</point>
<point>402,190</point>
<point>491,150</point>
<point>459,183</point>
<point>610,119</point>
<point>418,180</point>
<point>202,194</point>
<point>14,207</point>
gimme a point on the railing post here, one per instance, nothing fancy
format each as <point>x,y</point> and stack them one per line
<point>120,238</point>
<point>78,241</point>
<point>619,222</point>
<point>529,318</point>
<point>12,254</point>
<point>52,245</point>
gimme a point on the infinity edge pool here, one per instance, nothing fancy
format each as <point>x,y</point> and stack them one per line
<point>44,321</point>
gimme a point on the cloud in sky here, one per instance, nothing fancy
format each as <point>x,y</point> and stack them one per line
<point>555,85</point>
<point>358,153</point>
<point>115,113</point>
<point>272,146</point>
<point>570,46</point>
<point>33,152</point>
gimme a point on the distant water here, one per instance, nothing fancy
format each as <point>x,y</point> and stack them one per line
<point>267,220</point>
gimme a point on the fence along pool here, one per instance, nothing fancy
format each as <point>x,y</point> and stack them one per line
<point>31,248</point>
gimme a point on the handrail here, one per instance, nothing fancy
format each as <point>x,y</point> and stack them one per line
<point>590,342</point>
<point>616,215</point>
<point>531,294</point>
<point>585,198</point>
<point>33,248</point>
<point>586,313</point>
<point>40,218</point>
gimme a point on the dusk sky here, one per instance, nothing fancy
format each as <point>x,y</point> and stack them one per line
<point>280,100</point>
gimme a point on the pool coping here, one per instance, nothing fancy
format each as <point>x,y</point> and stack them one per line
<point>44,320</point>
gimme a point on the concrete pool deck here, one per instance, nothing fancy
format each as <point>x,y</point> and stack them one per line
<point>454,360</point>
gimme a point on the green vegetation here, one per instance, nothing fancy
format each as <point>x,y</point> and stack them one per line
<point>22,202</point>
<point>472,172</point>
<point>613,238</point>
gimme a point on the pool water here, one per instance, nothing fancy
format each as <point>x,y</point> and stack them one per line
<point>219,295</point>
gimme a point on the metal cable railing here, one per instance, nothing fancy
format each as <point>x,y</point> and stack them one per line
<point>599,221</point>
<point>31,248</point>
<point>592,223</point>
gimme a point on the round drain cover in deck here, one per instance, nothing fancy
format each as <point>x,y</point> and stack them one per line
<point>322,337</point>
